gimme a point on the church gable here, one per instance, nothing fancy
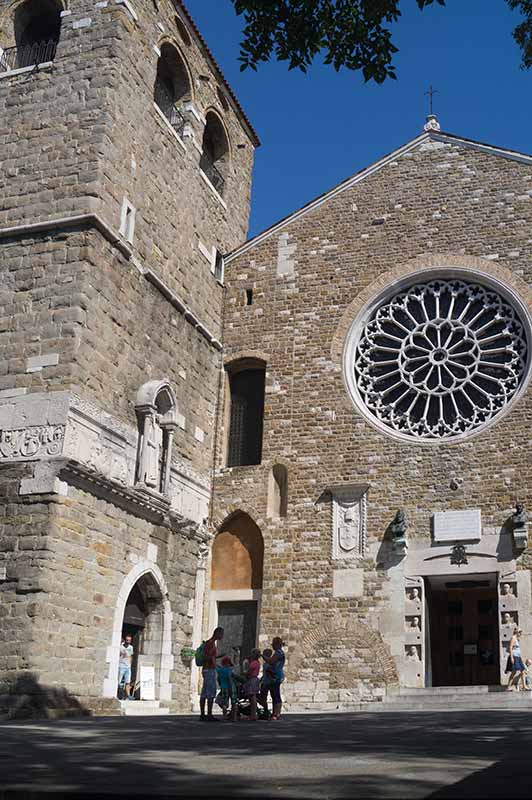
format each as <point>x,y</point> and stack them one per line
<point>427,159</point>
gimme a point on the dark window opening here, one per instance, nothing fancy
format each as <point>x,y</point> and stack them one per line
<point>37,26</point>
<point>247,412</point>
<point>219,267</point>
<point>181,27</point>
<point>249,297</point>
<point>215,152</point>
<point>172,87</point>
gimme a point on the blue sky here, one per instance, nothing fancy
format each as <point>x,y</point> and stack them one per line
<point>319,128</point>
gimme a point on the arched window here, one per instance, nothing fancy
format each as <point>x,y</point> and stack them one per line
<point>215,152</point>
<point>172,86</point>
<point>37,30</point>
<point>246,384</point>
<point>278,492</point>
<point>156,413</point>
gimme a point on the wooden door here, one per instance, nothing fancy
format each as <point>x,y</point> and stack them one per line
<point>238,618</point>
<point>464,637</point>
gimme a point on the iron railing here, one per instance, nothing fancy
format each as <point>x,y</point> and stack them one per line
<point>212,172</point>
<point>164,100</point>
<point>28,55</point>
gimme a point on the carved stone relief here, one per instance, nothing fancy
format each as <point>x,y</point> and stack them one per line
<point>348,522</point>
<point>33,442</point>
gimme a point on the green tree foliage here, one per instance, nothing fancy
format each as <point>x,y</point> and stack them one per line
<point>350,33</point>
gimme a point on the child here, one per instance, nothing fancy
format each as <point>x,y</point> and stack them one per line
<point>268,672</point>
<point>227,688</point>
<point>251,686</point>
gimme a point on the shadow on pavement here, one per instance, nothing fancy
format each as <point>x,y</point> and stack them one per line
<point>326,756</point>
<point>26,698</point>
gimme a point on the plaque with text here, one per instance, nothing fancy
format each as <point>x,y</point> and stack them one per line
<point>457,526</point>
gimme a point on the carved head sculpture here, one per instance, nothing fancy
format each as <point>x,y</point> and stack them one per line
<point>507,618</point>
<point>414,593</point>
<point>415,622</point>
<point>506,589</point>
<point>412,653</point>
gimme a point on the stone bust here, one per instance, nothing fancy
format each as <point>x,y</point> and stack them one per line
<point>507,589</point>
<point>520,527</point>
<point>415,623</point>
<point>398,531</point>
<point>412,654</point>
<point>520,518</point>
<point>414,594</point>
<point>507,618</point>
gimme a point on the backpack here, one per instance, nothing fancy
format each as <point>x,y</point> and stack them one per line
<point>199,655</point>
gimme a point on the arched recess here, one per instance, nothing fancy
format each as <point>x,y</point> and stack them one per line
<point>173,85</point>
<point>344,649</point>
<point>215,152</point>
<point>244,416</point>
<point>36,29</point>
<point>156,409</point>
<point>146,580</point>
<point>236,583</point>
<point>277,492</point>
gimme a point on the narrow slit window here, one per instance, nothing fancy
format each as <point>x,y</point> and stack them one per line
<point>219,267</point>
<point>127,223</point>
<point>249,297</point>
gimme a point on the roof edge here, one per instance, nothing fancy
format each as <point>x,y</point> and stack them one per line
<point>438,136</point>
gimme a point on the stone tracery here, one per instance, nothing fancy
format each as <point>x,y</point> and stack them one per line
<point>440,358</point>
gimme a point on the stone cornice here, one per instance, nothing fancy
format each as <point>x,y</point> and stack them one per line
<point>144,504</point>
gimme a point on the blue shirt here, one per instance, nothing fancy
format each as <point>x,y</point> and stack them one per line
<point>225,677</point>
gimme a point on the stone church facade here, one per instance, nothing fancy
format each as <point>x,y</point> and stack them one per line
<point>391,317</point>
<point>327,442</point>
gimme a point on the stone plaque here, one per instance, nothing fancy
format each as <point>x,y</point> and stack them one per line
<point>348,582</point>
<point>457,526</point>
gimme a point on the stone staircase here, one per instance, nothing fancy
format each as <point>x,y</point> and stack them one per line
<point>452,698</point>
<point>142,708</point>
<point>443,698</point>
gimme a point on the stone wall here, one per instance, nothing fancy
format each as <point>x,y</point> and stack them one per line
<point>439,203</point>
<point>88,315</point>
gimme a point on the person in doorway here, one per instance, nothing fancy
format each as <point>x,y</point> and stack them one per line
<point>208,690</point>
<point>276,661</point>
<point>515,665</point>
<point>251,686</point>
<point>125,661</point>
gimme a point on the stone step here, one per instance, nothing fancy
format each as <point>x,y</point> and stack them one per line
<point>142,708</point>
<point>437,691</point>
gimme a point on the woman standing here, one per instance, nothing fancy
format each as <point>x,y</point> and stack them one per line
<point>515,665</point>
<point>276,661</point>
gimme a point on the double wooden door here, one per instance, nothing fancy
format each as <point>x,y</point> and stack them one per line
<point>464,637</point>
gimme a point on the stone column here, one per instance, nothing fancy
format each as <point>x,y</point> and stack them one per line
<point>197,627</point>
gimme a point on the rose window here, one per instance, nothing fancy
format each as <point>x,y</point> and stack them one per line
<point>440,359</point>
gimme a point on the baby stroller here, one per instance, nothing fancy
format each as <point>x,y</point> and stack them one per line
<point>244,706</point>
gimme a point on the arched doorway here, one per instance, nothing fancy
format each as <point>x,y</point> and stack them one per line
<point>236,584</point>
<point>143,620</point>
<point>143,610</point>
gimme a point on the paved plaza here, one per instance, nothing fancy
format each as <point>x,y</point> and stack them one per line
<point>440,755</point>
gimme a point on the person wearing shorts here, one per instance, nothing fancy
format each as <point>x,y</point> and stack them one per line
<point>209,688</point>
<point>124,664</point>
